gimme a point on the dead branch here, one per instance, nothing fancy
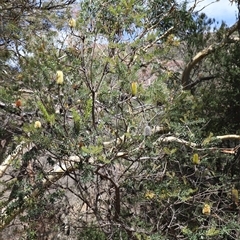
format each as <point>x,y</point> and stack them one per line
<point>8,161</point>
<point>202,54</point>
<point>167,139</point>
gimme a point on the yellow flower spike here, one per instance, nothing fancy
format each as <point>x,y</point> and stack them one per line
<point>206,209</point>
<point>196,159</point>
<point>19,77</point>
<point>176,43</point>
<point>134,88</point>
<point>235,195</point>
<point>37,124</point>
<point>72,23</point>
<point>59,78</point>
<point>149,195</point>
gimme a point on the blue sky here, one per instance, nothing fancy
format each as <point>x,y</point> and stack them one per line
<point>220,10</point>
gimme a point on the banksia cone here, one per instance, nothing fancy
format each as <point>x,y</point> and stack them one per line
<point>206,209</point>
<point>41,47</point>
<point>149,195</point>
<point>147,131</point>
<point>18,103</point>
<point>196,159</point>
<point>19,77</point>
<point>59,78</point>
<point>72,23</point>
<point>134,88</point>
<point>235,195</point>
<point>37,124</point>
<point>81,144</point>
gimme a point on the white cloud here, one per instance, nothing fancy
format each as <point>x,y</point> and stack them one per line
<point>220,10</point>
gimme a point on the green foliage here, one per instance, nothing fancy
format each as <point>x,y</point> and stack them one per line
<point>158,92</point>
<point>227,94</point>
<point>77,121</point>
<point>91,232</point>
<point>50,118</point>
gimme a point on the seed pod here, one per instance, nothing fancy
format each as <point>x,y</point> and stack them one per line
<point>134,88</point>
<point>59,78</point>
<point>206,209</point>
<point>196,159</point>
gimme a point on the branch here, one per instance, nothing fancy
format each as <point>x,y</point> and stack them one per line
<point>8,161</point>
<point>167,139</point>
<point>10,211</point>
<point>202,54</point>
<point>201,79</point>
<point>229,136</point>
